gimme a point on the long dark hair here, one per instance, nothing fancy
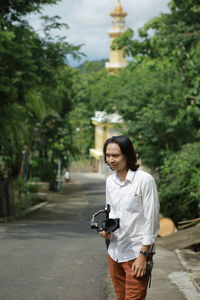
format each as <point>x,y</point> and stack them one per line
<point>127,149</point>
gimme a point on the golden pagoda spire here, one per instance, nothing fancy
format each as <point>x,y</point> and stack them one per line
<point>117,58</point>
<point>118,10</point>
<point>118,7</point>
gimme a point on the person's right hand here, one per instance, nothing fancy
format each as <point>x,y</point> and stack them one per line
<point>105,234</point>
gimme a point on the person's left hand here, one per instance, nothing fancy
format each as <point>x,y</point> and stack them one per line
<point>139,267</point>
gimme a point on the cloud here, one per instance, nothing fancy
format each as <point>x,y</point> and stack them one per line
<point>89,20</point>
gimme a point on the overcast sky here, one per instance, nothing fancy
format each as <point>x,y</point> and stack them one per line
<point>89,20</point>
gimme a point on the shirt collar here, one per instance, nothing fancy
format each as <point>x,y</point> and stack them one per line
<point>129,177</point>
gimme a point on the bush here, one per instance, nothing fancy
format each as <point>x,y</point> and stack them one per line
<point>25,194</point>
<point>179,186</point>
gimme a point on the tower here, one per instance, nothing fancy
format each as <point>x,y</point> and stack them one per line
<point>117,58</point>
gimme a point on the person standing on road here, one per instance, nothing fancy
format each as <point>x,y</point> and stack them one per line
<point>132,196</point>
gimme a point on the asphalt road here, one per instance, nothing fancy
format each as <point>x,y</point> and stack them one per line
<point>52,254</point>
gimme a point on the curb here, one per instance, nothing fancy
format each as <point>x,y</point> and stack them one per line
<point>188,263</point>
<point>31,209</point>
<point>36,207</point>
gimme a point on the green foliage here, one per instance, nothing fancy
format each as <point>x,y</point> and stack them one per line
<point>158,96</point>
<point>20,185</point>
<point>92,66</point>
<point>35,91</point>
<point>34,188</point>
<point>46,106</point>
<point>26,194</point>
<point>156,114</point>
<point>180,184</point>
<point>14,9</point>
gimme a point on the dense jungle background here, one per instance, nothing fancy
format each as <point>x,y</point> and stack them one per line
<point>46,106</point>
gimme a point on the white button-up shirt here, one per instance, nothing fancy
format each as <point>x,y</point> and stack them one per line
<point>136,203</point>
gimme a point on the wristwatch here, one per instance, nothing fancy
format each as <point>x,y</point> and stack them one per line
<point>145,253</point>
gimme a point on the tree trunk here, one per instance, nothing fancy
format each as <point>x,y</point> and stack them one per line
<point>7,205</point>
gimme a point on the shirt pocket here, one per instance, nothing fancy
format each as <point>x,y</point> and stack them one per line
<point>133,203</point>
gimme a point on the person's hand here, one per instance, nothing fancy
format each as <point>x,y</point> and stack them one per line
<point>139,267</point>
<point>105,234</point>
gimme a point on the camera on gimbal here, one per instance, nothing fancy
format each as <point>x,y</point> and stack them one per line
<point>105,223</point>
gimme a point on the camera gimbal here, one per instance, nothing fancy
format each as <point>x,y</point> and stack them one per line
<point>105,224</point>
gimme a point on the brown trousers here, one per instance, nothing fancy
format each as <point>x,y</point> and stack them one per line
<point>126,286</point>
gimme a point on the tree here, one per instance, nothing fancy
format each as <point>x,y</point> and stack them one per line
<point>180,190</point>
<point>15,10</point>
<point>167,63</point>
<point>32,69</point>
<point>92,66</point>
<point>158,96</point>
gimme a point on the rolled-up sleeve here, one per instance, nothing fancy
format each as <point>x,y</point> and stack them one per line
<point>151,209</point>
